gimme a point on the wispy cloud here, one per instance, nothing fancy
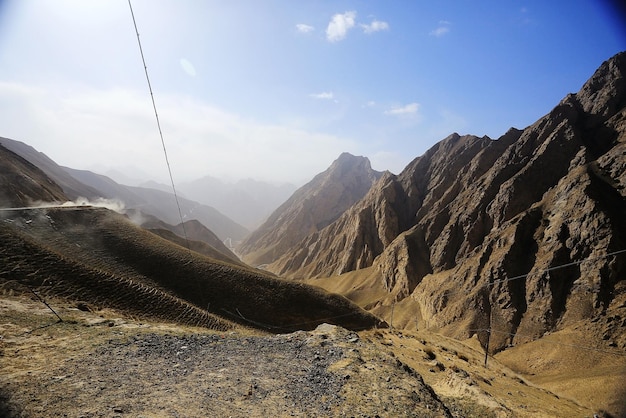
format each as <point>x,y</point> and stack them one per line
<point>375,26</point>
<point>327,95</point>
<point>108,129</point>
<point>304,28</point>
<point>339,26</point>
<point>442,29</point>
<point>406,110</point>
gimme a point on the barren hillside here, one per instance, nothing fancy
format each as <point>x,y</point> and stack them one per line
<point>311,208</point>
<point>99,256</point>
<point>462,221</point>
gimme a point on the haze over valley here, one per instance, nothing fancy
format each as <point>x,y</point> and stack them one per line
<point>512,246</point>
<point>323,210</point>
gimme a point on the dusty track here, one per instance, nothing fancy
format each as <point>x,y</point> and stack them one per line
<point>101,364</point>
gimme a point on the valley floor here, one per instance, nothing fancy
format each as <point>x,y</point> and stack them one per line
<point>101,364</point>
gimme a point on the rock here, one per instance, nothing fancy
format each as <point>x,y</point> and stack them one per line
<point>310,209</point>
<point>475,230</point>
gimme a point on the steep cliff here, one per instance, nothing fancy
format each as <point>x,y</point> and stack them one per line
<point>525,233</point>
<point>310,209</point>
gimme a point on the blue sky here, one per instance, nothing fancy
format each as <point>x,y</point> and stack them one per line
<point>277,89</point>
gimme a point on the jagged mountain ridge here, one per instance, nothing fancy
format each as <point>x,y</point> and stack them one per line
<point>473,211</point>
<point>310,209</point>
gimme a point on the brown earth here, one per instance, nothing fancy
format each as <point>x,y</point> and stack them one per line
<point>583,361</point>
<point>99,256</point>
<point>525,234</point>
<point>103,364</point>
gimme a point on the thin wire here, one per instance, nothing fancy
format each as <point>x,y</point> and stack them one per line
<point>573,263</point>
<point>156,114</point>
<point>522,276</point>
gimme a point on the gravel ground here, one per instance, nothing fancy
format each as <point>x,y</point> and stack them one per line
<point>327,372</point>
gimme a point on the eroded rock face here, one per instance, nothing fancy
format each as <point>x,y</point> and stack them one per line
<point>475,228</point>
<point>553,196</point>
<point>311,208</point>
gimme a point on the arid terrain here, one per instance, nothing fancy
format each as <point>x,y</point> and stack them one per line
<point>487,279</point>
<point>104,364</point>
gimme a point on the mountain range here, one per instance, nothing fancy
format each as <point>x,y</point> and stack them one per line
<point>525,232</point>
<point>509,243</point>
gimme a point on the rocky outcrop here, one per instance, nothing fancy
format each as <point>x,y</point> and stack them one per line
<point>525,233</point>
<point>311,208</point>
<point>536,242</point>
<point>389,208</point>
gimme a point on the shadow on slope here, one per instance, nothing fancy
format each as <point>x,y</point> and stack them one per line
<point>97,255</point>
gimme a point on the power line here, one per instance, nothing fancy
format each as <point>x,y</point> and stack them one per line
<point>573,263</point>
<point>156,115</point>
<point>522,276</point>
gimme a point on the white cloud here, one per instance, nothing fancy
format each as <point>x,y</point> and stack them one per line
<point>111,129</point>
<point>304,28</point>
<point>375,26</point>
<point>370,103</point>
<point>324,95</point>
<point>406,110</point>
<point>442,29</point>
<point>339,26</point>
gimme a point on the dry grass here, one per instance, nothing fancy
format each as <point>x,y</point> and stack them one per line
<point>390,373</point>
<point>97,255</point>
<point>555,368</point>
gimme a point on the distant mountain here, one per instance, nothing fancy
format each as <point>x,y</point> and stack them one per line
<point>199,237</point>
<point>71,187</point>
<point>162,205</point>
<point>23,184</point>
<point>158,186</point>
<point>310,209</point>
<point>525,234</point>
<point>248,202</point>
<point>83,183</point>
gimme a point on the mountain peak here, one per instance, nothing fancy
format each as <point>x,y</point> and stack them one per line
<point>311,208</point>
<point>473,211</point>
<point>605,92</point>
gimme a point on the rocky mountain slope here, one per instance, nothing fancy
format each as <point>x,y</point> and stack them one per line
<point>100,257</point>
<point>525,233</point>
<point>310,209</point>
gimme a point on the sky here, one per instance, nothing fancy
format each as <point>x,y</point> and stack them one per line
<point>276,90</point>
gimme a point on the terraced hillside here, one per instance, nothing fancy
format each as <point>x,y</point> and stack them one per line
<point>100,257</point>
